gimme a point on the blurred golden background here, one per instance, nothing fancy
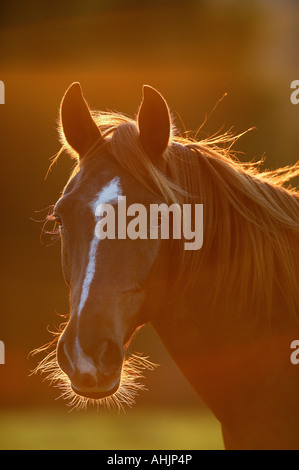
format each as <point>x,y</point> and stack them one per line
<point>192,51</point>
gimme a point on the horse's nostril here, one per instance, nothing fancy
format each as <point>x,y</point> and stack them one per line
<point>109,358</point>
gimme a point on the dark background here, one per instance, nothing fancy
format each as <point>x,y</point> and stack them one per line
<point>192,52</point>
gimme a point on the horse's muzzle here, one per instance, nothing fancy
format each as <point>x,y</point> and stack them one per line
<point>96,376</point>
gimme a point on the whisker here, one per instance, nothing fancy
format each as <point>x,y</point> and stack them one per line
<point>130,385</point>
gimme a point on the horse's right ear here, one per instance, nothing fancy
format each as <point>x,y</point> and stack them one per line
<point>78,126</point>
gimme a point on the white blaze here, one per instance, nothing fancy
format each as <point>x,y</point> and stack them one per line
<point>108,194</point>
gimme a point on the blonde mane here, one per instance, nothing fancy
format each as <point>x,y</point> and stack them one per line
<point>251,220</point>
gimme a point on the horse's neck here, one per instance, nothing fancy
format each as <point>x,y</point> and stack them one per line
<point>198,331</point>
<point>197,337</point>
<point>240,370</point>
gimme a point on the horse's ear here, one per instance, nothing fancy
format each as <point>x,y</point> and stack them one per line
<point>154,123</point>
<point>78,126</point>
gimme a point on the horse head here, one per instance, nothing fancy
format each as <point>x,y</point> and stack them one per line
<point>111,279</point>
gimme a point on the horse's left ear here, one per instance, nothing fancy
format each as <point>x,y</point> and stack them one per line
<point>154,123</point>
<point>78,126</point>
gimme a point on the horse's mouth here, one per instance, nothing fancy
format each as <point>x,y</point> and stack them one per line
<point>96,394</point>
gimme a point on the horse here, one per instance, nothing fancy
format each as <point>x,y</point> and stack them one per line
<point>227,312</point>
